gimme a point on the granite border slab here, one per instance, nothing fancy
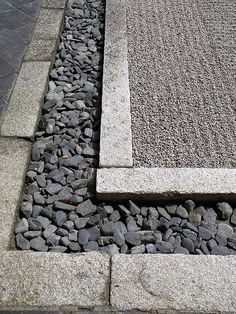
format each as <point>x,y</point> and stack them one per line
<point>14,156</point>
<point>166,184</point>
<point>115,137</point>
<point>54,4</point>
<point>30,279</point>
<point>23,111</point>
<point>174,283</point>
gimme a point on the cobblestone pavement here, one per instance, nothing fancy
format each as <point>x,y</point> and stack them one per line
<point>17,19</point>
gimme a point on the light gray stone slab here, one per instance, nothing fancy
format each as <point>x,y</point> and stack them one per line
<point>14,155</point>
<point>41,50</point>
<point>49,23</point>
<point>57,4</point>
<point>166,183</point>
<point>54,279</point>
<point>23,110</point>
<point>168,283</point>
<point>116,138</point>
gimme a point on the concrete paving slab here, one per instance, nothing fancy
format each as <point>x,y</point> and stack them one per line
<point>182,82</point>
<point>115,136</point>
<point>54,279</point>
<point>15,30</point>
<point>41,50</point>
<point>11,41</point>
<point>23,110</point>
<point>174,283</point>
<point>49,23</point>
<point>30,7</point>
<point>14,155</point>
<point>166,184</point>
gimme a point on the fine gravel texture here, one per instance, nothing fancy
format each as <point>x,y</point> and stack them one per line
<point>182,81</point>
<point>59,212</point>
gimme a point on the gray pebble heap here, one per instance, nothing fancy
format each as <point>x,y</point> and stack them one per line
<point>59,212</point>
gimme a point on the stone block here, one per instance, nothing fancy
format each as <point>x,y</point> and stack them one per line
<point>174,284</point>
<point>201,184</point>
<point>54,279</point>
<point>14,155</point>
<point>23,111</point>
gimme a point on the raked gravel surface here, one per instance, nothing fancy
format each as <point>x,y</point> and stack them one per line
<point>182,82</point>
<point>59,212</point>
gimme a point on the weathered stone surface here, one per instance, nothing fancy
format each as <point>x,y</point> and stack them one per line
<point>116,151</point>
<point>23,110</point>
<point>49,24</point>
<point>14,156</point>
<point>53,279</point>
<point>41,50</point>
<point>182,283</point>
<point>166,183</point>
<point>56,4</point>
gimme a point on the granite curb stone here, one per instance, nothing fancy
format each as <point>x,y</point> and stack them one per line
<point>180,283</point>
<point>41,50</point>
<point>54,279</point>
<point>166,183</point>
<point>116,137</point>
<point>14,156</point>
<point>49,23</point>
<point>44,41</point>
<point>23,112</point>
<point>55,4</point>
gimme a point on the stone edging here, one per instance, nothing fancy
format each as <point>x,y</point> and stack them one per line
<point>23,111</point>
<point>21,117</point>
<point>201,184</point>
<point>14,156</point>
<point>115,135</point>
<point>160,283</point>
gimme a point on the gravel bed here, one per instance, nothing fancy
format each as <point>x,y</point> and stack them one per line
<point>59,211</point>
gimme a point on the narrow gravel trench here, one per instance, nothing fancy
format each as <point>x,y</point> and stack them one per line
<point>59,212</point>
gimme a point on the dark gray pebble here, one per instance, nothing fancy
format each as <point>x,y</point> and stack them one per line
<point>133,238</point>
<point>21,242</point>
<point>224,210</point>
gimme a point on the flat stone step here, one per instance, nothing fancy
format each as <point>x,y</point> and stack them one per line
<point>174,283</point>
<point>54,279</point>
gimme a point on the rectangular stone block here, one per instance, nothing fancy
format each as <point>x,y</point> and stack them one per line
<point>166,184</point>
<point>14,155</point>
<point>41,50</point>
<point>54,279</point>
<point>116,137</point>
<point>49,23</point>
<point>23,111</point>
<point>174,283</point>
<point>56,4</point>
